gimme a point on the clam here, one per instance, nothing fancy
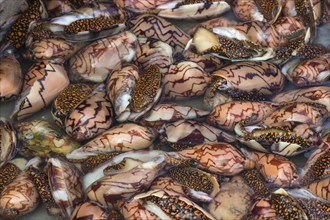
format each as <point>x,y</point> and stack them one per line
<point>168,184</point>
<point>42,83</point>
<point>227,115</point>
<point>10,171</point>
<point>228,43</point>
<point>119,88</point>
<point>123,137</point>
<point>303,112</point>
<point>60,186</point>
<point>11,78</point>
<point>278,139</point>
<point>183,9</point>
<point>139,4</point>
<point>154,53</point>
<point>154,27</point>
<point>109,189</point>
<point>197,184</point>
<point>257,10</point>
<point>97,60</point>
<point>166,206</point>
<point>54,49</point>
<point>8,142</point>
<point>40,138</point>
<point>67,99</point>
<point>278,205</point>
<point>185,80</point>
<point>20,196</point>
<point>167,112</point>
<point>310,72</point>
<point>59,7</point>
<point>221,158</point>
<point>230,203</point>
<point>17,33</point>
<point>134,209</point>
<point>276,169</point>
<point>320,188</point>
<point>317,94</point>
<point>191,132</point>
<point>90,117</point>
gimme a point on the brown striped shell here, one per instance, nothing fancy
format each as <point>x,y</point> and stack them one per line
<point>91,210</point>
<point>90,117</point>
<point>10,171</point>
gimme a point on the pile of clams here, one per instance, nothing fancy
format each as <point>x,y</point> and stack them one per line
<point>158,109</point>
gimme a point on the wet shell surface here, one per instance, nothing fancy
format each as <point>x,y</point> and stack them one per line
<point>99,59</point>
<point>8,142</point>
<point>221,158</point>
<point>43,82</point>
<point>11,78</point>
<point>124,137</point>
<point>90,117</point>
<point>185,80</point>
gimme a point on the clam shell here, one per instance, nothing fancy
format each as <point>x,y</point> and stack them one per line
<point>11,78</point>
<point>90,117</point>
<point>8,142</point>
<point>43,82</point>
<point>65,184</point>
<point>91,210</point>
<point>107,55</point>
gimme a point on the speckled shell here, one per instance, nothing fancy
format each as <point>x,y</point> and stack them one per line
<point>90,117</point>
<point>19,197</point>
<point>262,77</point>
<point>100,58</point>
<point>91,210</point>
<point>192,132</point>
<point>316,167</point>
<point>119,88</point>
<point>193,10</point>
<point>8,142</point>
<point>40,138</point>
<point>319,94</point>
<point>257,10</point>
<point>42,83</point>
<point>65,184</point>
<point>124,137</point>
<point>17,33</point>
<point>231,203</point>
<point>298,112</point>
<point>10,170</point>
<point>276,169</point>
<point>320,188</point>
<point>11,78</point>
<point>109,189</point>
<point>168,184</point>
<point>67,100</point>
<point>221,158</point>
<point>185,80</point>
<point>310,72</point>
<point>134,210</point>
<point>154,27</point>
<point>166,112</point>
<point>227,115</point>
<point>154,53</point>
<point>57,50</point>
<point>173,207</point>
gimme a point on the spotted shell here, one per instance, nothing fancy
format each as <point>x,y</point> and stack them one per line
<point>68,99</point>
<point>134,209</point>
<point>10,171</point>
<point>254,179</point>
<point>90,117</point>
